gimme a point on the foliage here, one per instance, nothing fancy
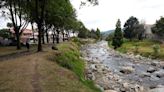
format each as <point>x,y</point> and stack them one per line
<point>5,33</point>
<point>129,27</point>
<point>156,49</point>
<point>9,25</point>
<point>98,33</point>
<point>16,13</point>
<point>158,28</point>
<point>110,37</point>
<point>118,36</point>
<point>136,48</point>
<point>140,32</point>
<point>55,14</point>
<point>145,48</point>
<point>83,33</point>
<point>69,58</point>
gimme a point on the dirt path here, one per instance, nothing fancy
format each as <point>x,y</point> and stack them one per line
<point>36,78</point>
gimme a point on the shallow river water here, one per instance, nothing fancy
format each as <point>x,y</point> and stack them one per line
<point>115,61</point>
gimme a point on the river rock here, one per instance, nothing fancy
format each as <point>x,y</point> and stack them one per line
<point>160,74</point>
<point>139,88</point>
<point>110,91</point>
<point>93,67</point>
<point>157,90</point>
<point>151,70</point>
<point>154,63</point>
<point>127,70</point>
<point>143,75</point>
<point>91,76</point>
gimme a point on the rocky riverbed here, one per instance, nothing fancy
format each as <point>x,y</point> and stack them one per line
<point>116,72</point>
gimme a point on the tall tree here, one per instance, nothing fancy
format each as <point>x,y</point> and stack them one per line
<point>140,31</point>
<point>158,28</point>
<point>98,33</point>
<point>118,35</point>
<point>129,27</point>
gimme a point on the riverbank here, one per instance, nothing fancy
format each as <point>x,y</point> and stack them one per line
<point>69,57</point>
<point>116,72</point>
<point>147,48</point>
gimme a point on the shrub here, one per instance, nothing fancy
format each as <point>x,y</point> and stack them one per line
<point>136,48</point>
<point>156,49</point>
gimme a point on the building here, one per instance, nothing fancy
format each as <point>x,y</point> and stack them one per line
<point>26,35</point>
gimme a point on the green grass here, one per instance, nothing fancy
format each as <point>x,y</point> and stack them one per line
<point>69,57</point>
<point>145,48</point>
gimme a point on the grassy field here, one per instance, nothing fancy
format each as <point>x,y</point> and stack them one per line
<point>144,48</point>
<point>39,72</point>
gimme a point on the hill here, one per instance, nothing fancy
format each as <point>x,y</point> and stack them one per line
<point>106,33</point>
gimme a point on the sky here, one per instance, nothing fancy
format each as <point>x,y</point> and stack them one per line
<point>105,15</point>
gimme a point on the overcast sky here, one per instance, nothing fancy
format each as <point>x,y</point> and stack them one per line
<point>105,15</point>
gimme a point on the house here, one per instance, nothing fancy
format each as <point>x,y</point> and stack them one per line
<point>26,35</point>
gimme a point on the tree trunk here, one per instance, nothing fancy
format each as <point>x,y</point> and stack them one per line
<point>63,36</point>
<point>39,37</point>
<point>43,37</point>
<point>18,39</point>
<point>53,38</point>
<point>47,36</point>
<point>33,32</point>
<point>68,35</point>
<point>57,37</point>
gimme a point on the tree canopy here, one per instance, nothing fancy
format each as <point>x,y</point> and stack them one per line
<point>57,14</point>
<point>158,28</point>
<point>129,27</point>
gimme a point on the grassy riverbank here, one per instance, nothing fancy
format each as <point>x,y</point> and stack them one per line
<point>69,57</point>
<point>39,72</point>
<point>144,48</point>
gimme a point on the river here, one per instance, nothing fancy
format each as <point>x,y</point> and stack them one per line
<point>137,70</point>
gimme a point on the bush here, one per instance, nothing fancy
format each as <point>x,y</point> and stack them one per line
<point>136,48</point>
<point>156,50</point>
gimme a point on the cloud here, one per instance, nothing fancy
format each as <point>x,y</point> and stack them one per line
<point>105,15</point>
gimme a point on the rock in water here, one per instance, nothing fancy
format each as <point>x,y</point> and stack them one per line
<point>110,91</point>
<point>127,70</point>
<point>157,90</point>
<point>151,70</point>
<point>160,74</point>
